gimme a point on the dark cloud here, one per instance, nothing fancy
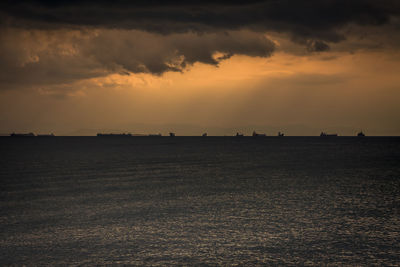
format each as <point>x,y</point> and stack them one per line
<point>37,58</point>
<point>310,19</point>
<point>317,46</point>
<point>56,42</point>
<point>137,51</point>
<point>60,57</point>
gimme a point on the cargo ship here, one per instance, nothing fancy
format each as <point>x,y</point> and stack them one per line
<point>22,134</point>
<point>360,134</point>
<point>113,134</point>
<point>258,135</point>
<point>323,134</point>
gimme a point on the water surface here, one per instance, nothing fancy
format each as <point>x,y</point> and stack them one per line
<point>200,201</point>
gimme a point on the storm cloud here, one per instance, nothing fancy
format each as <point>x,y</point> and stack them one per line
<point>312,19</point>
<point>52,57</point>
<point>52,42</point>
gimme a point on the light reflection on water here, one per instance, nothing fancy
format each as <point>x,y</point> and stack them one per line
<point>211,201</point>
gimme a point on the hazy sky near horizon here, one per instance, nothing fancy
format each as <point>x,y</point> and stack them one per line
<point>78,67</point>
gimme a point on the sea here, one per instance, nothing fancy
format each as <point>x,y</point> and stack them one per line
<point>200,201</point>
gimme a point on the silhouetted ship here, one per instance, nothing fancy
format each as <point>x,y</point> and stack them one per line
<point>172,134</point>
<point>323,134</point>
<point>204,135</point>
<point>361,134</point>
<point>258,135</point>
<point>113,135</point>
<point>46,135</point>
<point>22,134</point>
<point>281,134</point>
<point>239,135</point>
<point>155,135</point>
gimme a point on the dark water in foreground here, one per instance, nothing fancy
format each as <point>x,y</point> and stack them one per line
<point>200,201</point>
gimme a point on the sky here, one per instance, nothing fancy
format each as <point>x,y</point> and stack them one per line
<point>299,67</point>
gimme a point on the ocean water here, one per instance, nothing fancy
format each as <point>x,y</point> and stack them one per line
<point>200,201</point>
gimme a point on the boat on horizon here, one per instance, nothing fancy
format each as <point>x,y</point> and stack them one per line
<point>258,135</point>
<point>113,134</point>
<point>360,134</point>
<point>323,134</point>
<point>22,134</point>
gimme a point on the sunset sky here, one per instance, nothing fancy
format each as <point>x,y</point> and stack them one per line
<point>301,67</point>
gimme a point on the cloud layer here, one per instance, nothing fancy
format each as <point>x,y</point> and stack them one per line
<point>46,42</point>
<point>318,19</point>
<point>53,57</point>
